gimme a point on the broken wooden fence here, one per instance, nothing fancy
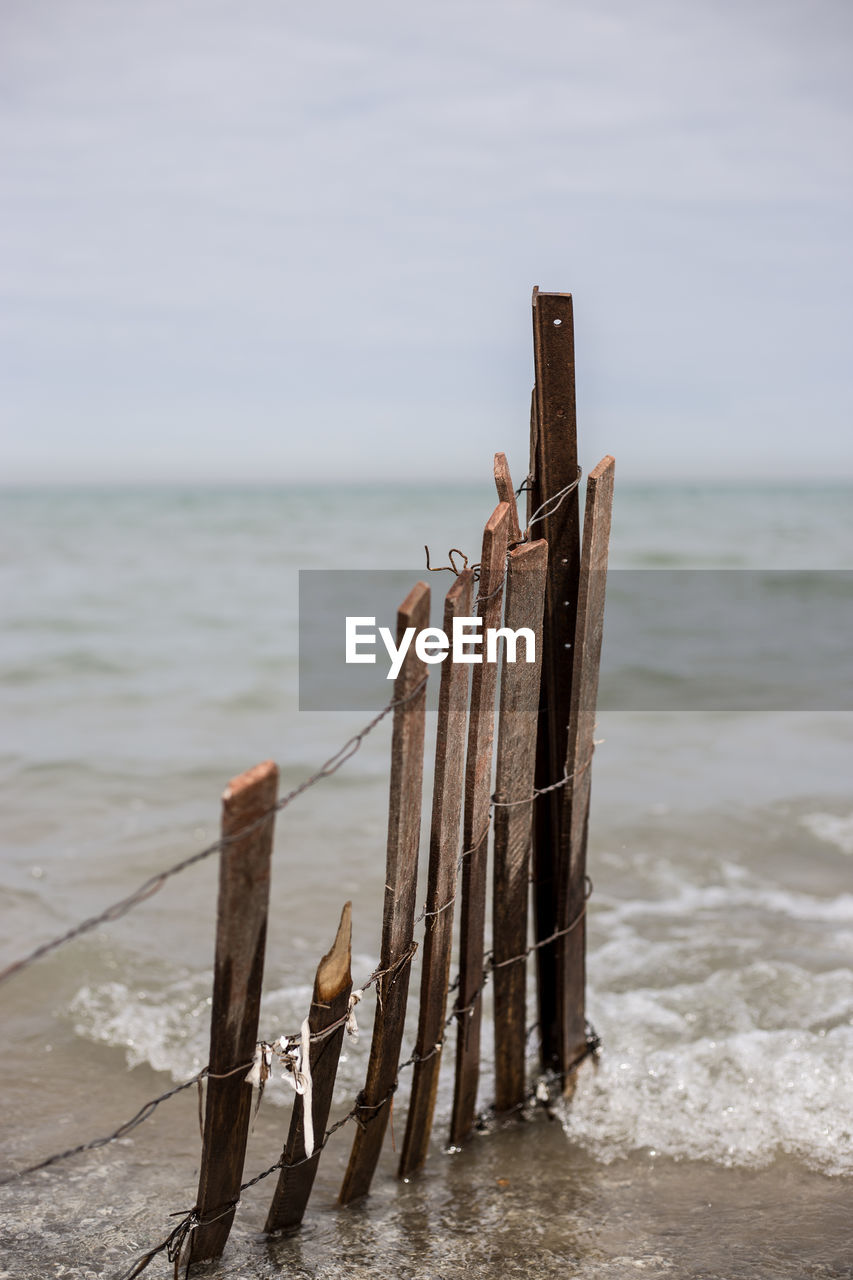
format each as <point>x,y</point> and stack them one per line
<point>541,578</point>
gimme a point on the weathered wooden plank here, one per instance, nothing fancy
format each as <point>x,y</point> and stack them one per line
<point>506,493</point>
<point>404,819</point>
<point>441,885</point>
<point>516,759</point>
<point>575,814</point>
<point>241,927</point>
<point>475,832</point>
<point>554,457</point>
<point>332,987</point>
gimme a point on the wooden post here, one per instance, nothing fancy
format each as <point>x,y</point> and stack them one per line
<point>554,466</point>
<point>404,820</point>
<point>516,756</point>
<point>329,1004</point>
<point>575,815</point>
<point>441,885</point>
<point>241,927</point>
<point>475,832</point>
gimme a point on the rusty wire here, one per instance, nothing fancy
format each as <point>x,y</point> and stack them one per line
<point>142,1114</point>
<point>543,512</point>
<point>374,980</point>
<point>156,882</point>
<point>452,567</point>
<point>174,1243</point>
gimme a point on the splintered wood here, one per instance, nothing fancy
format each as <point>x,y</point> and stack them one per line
<point>329,1005</point>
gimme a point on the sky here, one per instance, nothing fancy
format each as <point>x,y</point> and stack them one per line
<point>263,241</point>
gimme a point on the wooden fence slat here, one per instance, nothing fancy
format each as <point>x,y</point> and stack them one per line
<point>516,759</point>
<point>332,987</point>
<point>244,879</point>
<point>441,885</point>
<point>575,816</point>
<point>475,832</point>
<point>506,493</point>
<point>404,820</point>
<point>554,459</point>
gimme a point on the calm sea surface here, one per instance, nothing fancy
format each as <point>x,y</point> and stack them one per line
<point>149,653</point>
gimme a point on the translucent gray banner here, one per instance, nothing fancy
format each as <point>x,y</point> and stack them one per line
<point>674,639</point>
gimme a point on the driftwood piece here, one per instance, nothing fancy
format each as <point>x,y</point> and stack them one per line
<point>516,758</point>
<point>554,463</point>
<point>575,814</point>
<point>475,832</point>
<point>441,885</point>
<point>244,879</point>
<point>329,1003</point>
<point>404,819</point>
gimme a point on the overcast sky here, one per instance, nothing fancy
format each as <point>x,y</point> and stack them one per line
<point>263,240</point>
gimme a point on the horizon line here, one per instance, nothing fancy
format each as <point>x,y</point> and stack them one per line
<point>691,480</point>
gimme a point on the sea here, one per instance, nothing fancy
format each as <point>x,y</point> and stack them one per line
<point>150,652</point>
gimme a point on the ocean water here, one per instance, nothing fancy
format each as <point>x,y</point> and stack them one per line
<point>149,653</point>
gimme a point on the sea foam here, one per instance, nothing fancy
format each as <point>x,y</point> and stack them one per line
<point>830,828</point>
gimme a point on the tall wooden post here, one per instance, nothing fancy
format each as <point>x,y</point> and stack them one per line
<point>571,947</point>
<point>401,873</point>
<point>441,885</point>
<point>241,929</point>
<point>554,467</point>
<point>475,832</point>
<point>513,788</point>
